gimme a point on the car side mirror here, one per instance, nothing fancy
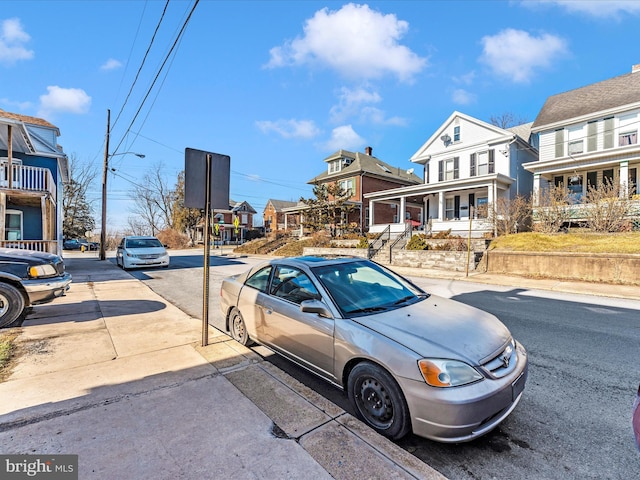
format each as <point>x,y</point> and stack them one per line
<point>315,306</point>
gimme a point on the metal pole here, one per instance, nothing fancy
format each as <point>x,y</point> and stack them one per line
<point>207,235</point>
<point>469,239</point>
<point>103,230</point>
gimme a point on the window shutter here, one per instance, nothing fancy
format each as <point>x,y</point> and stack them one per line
<point>492,161</point>
<point>456,167</point>
<point>592,139</point>
<point>456,206</point>
<point>472,203</point>
<point>608,132</point>
<point>441,170</point>
<point>560,143</point>
<point>472,165</point>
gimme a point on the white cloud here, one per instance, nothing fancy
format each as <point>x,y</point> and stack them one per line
<point>111,64</point>
<point>516,55</point>
<point>462,97</point>
<point>350,102</point>
<point>466,79</point>
<point>290,128</point>
<point>355,41</point>
<point>594,8</point>
<point>19,106</point>
<point>344,137</point>
<point>12,40</point>
<point>70,100</point>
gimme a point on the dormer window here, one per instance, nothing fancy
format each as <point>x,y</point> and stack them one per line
<point>335,166</point>
<point>347,161</point>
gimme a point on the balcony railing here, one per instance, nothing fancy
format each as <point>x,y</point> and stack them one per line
<point>50,246</point>
<point>28,178</point>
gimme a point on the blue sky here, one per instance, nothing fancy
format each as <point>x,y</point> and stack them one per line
<point>280,85</point>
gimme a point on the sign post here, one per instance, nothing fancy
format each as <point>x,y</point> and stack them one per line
<point>206,186</point>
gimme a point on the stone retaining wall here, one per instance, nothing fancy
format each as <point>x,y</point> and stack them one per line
<point>591,267</point>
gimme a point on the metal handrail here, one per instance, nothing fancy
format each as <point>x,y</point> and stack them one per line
<point>374,247</point>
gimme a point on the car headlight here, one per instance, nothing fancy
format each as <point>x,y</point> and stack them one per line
<point>447,373</point>
<point>42,271</point>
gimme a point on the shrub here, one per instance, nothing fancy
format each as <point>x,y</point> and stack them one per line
<point>417,242</point>
<point>173,238</point>
<point>363,243</point>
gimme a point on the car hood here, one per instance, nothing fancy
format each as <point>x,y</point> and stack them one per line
<point>27,256</point>
<point>439,327</point>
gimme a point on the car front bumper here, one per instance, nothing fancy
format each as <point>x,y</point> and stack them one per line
<point>44,290</point>
<point>462,414</point>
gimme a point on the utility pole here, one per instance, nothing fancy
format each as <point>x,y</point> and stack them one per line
<point>105,169</point>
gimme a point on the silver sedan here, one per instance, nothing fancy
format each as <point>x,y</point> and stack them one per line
<point>409,361</point>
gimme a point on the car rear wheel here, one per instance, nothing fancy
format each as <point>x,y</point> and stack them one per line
<point>12,304</point>
<point>378,401</point>
<point>237,328</point>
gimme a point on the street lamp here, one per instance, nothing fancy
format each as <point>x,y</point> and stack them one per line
<point>107,156</point>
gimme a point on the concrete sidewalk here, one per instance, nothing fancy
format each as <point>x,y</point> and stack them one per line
<point>115,374</point>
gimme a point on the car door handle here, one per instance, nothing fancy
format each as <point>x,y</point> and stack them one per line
<point>268,310</point>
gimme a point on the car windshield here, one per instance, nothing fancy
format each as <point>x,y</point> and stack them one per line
<point>361,288</point>
<point>143,243</point>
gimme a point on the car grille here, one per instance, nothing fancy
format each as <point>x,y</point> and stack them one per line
<point>151,256</point>
<point>504,362</point>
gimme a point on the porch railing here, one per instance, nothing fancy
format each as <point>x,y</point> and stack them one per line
<point>25,177</point>
<point>50,246</point>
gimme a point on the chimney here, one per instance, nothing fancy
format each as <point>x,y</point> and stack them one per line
<point>369,150</point>
<point>635,68</point>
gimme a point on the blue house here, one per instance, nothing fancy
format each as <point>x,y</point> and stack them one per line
<point>33,169</point>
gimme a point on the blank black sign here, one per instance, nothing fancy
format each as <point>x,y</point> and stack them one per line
<point>195,174</point>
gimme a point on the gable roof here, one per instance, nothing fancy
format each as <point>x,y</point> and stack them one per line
<point>598,97</point>
<point>278,205</point>
<point>31,135</point>
<point>365,164</point>
<point>523,131</point>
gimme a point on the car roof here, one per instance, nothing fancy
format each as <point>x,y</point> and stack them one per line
<point>320,260</point>
<point>140,237</point>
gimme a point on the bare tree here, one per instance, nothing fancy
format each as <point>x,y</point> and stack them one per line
<point>510,215</point>
<point>607,210</point>
<point>553,210</point>
<point>152,202</point>
<point>78,211</point>
<point>506,120</point>
<point>184,219</point>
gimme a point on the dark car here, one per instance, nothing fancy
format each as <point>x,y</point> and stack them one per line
<point>78,243</point>
<point>29,278</point>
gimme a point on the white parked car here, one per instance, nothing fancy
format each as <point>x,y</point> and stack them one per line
<point>138,251</point>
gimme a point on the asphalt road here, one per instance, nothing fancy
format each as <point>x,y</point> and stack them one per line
<point>574,421</point>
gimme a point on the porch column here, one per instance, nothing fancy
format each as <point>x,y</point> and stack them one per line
<point>371,210</point>
<point>491,193</point>
<point>285,221</point>
<point>536,189</point>
<point>3,209</point>
<point>403,209</point>
<point>624,178</point>
<point>440,206</point>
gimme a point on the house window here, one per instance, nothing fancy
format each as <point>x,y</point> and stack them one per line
<point>449,169</point>
<point>456,133</point>
<point>576,143</point>
<point>633,181</point>
<point>628,138</point>
<point>483,163</point>
<point>607,177</point>
<point>348,186</point>
<point>574,187</point>
<point>449,208</point>
<point>13,225</point>
<point>334,166</point>
<point>483,205</point>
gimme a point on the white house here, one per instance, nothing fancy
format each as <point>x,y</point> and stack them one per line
<point>589,136</point>
<point>467,164</point>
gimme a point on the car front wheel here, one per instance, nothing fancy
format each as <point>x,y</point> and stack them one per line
<point>378,401</point>
<point>237,328</point>
<point>12,304</point>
